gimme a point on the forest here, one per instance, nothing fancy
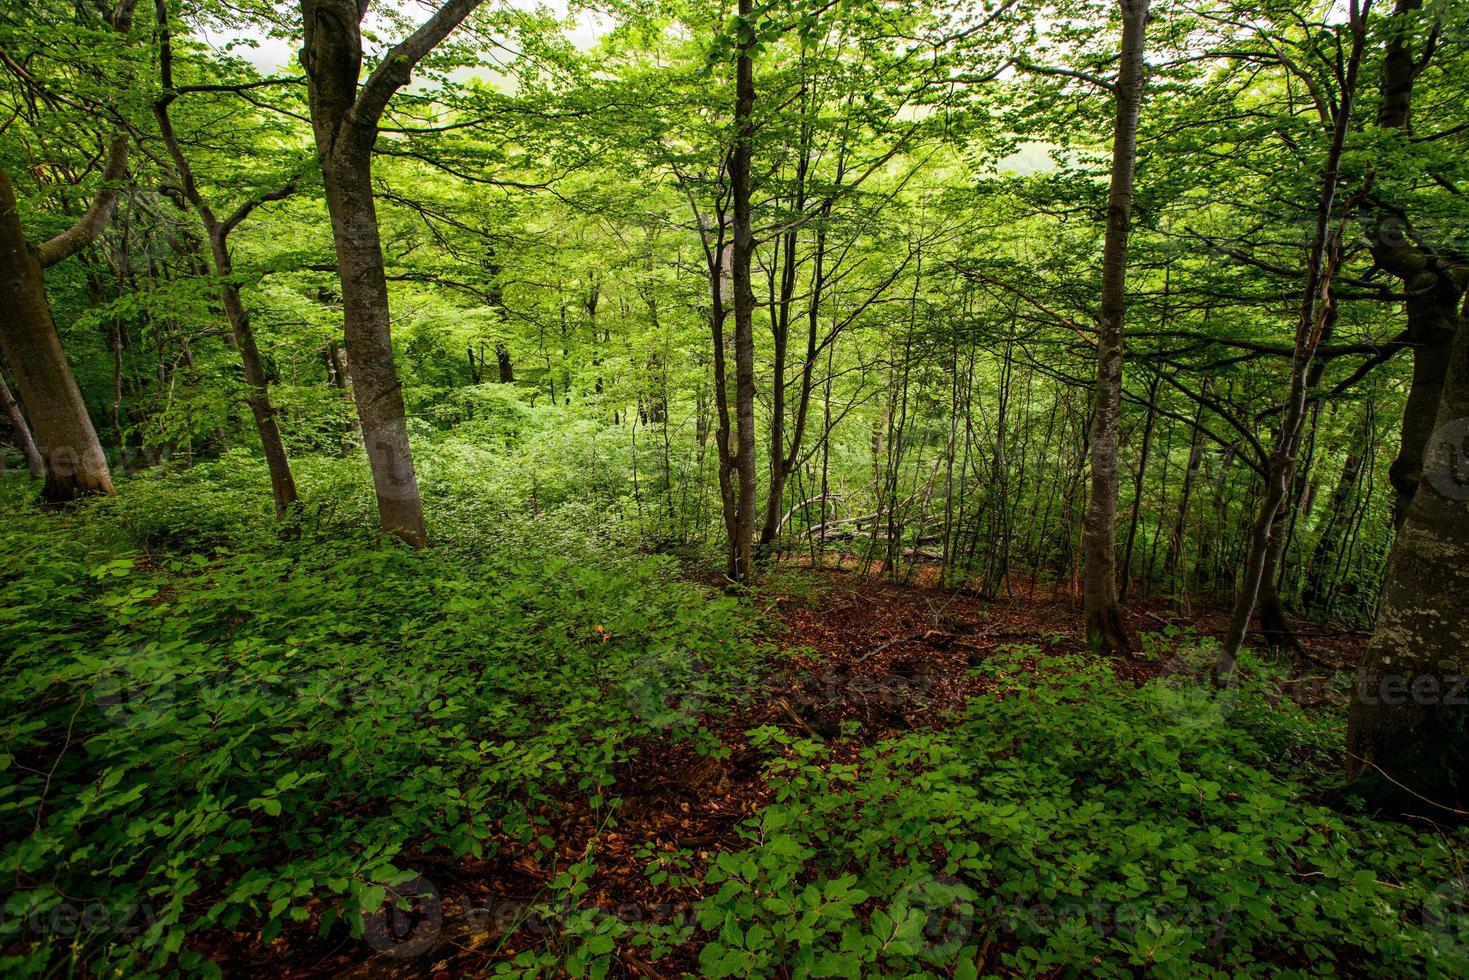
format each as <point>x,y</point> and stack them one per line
<point>757,488</point>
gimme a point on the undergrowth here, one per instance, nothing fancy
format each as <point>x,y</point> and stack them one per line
<point>207,726</point>
<point>203,734</point>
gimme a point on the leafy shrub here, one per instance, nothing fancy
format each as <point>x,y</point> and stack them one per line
<point>1080,824</point>
<point>246,738</point>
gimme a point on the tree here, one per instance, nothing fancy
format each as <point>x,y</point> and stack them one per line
<point>282,485</point>
<point>74,462</point>
<point>1314,321</point>
<point>1408,723</point>
<point>1104,627</point>
<point>742,248</point>
<point>345,120</point>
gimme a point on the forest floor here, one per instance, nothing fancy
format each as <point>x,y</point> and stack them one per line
<point>864,660</point>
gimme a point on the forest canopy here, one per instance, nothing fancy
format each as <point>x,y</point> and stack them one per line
<point>792,488</point>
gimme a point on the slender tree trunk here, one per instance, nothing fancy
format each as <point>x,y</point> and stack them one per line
<point>742,251</point>
<point>1137,483</point>
<point>1104,628</point>
<point>282,484</point>
<point>1316,316</point>
<point>717,255</point>
<point>783,460</point>
<point>1180,526</point>
<point>23,438</point>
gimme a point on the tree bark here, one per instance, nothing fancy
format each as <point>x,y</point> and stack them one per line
<point>23,438</point>
<point>1104,628</point>
<point>1406,725</point>
<point>345,122</point>
<point>74,461</point>
<point>375,386</point>
<point>742,248</point>
<point>282,484</point>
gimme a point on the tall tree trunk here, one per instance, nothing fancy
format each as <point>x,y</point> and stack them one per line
<point>1180,526</point>
<point>1407,720</point>
<point>742,248</point>
<point>75,463</point>
<point>345,122</point>
<point>720,292</point>
<point>366,321</point>
<point>1314,320</point>
<point>784,460</point>
<point>1104,629</point>
<point>282,484</point>
<point>23,438</point>
<point>1434,280</point>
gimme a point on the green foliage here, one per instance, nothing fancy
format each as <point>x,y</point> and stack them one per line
<point>1080,823</point>
<point>254,737</point>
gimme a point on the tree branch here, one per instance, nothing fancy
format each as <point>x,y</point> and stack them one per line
<point>397,68</point>
<point>90,224</point>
